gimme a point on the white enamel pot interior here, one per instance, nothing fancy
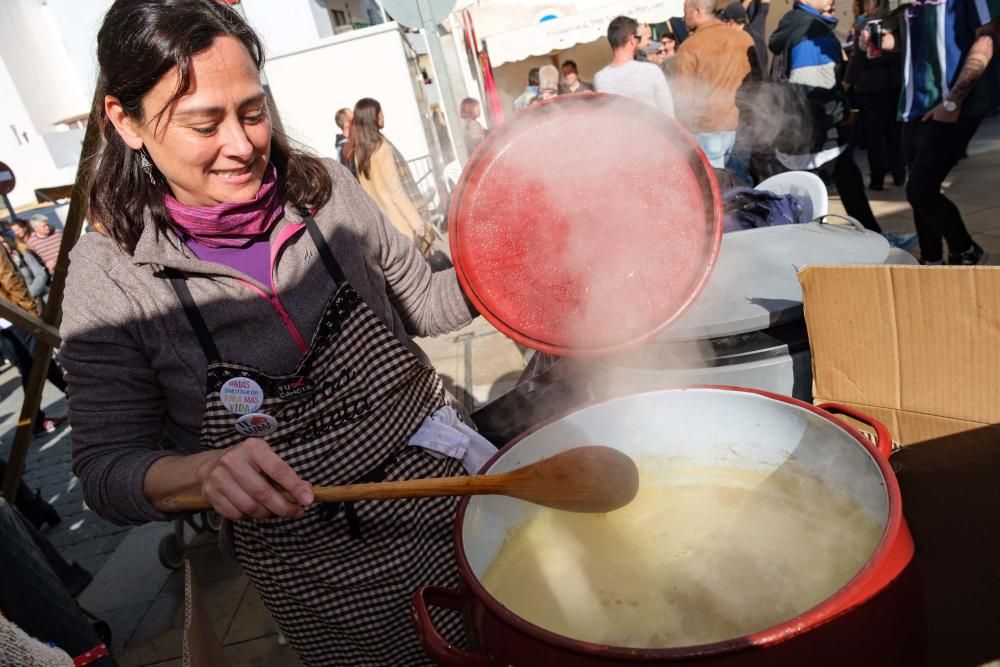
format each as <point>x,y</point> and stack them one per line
<point>704,426</point>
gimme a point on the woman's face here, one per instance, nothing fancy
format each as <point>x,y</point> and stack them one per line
<point>213,144</point>
<point>380,120</point>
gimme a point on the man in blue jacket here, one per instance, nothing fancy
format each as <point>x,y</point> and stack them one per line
<point>808,56</point>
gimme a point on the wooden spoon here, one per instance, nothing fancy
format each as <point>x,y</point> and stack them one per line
<point>583,479</point>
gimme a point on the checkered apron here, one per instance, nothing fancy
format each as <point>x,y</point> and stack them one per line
<point>340,580</point>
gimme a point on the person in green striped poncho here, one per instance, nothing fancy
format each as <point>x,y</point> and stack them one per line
<point>951,80</point>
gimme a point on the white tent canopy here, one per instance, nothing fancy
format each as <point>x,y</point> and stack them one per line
<point>566,31</point>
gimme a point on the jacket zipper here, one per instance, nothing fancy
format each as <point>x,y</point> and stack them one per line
<point>282,313</point>
<point>287,233</point>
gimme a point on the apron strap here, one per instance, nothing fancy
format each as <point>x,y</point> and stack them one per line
<point>179,283</point>
<point>323,248</point>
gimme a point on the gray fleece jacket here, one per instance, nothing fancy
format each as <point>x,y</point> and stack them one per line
<point>136,371</point>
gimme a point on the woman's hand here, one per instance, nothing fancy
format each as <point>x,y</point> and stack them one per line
<point>247,481</point>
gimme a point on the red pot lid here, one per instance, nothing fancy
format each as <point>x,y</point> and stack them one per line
<point>585,224</point>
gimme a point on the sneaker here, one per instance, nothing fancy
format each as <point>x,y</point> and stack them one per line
<point>901,241</point>
<point>932,262</point>
<point>974,255</point>
<point>49,424</point>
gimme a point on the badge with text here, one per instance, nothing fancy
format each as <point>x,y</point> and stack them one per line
<point>295,387</point>
<point>241,395</point>
<point>256,425</point>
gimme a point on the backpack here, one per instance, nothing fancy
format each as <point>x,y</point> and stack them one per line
<point>746,208</point>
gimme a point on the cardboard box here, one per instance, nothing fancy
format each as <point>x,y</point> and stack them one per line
<point>918,348</point>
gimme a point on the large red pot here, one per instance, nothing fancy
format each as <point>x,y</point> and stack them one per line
<point>876,618</point>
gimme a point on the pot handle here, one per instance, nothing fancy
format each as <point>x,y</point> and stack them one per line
<point>436,646</point>
<point>883,440</point>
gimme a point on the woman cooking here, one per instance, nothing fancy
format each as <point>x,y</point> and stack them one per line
<point>241,328</point>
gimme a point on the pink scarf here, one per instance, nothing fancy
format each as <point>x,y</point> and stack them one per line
<point>230,225</point>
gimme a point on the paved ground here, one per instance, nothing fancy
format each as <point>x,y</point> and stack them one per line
<point>81,536</point>
<point>972,185</point>
<point>143,601</point>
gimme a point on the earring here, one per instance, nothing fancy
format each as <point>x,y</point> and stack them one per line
<point>146,166</point>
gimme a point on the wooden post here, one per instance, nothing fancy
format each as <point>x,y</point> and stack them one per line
<point>47,336</point>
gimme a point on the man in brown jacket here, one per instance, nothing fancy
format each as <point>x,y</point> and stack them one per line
<point>709,67</point>
<point>12,287</point>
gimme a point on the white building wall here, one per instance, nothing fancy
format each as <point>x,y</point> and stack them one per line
<point>48,71</point>
<point>78,22</point>
<point>32,49</point>
<point>23,149</point>
<point>285,26</point>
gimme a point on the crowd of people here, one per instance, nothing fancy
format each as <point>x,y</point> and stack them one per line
<point>800,99</point>
<point>30,250</point>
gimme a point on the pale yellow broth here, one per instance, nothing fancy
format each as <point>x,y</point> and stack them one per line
<point>701,555</point>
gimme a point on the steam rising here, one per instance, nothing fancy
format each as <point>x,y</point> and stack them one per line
<point>602,235</point>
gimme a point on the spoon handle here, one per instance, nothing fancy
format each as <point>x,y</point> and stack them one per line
<point>406,488</point>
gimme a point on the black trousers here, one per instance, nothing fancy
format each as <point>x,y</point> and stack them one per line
<point>33,597</point>
<point>932,149</point>
<point>25,496</point>
<point>883,133</point>
<point>846,175</point>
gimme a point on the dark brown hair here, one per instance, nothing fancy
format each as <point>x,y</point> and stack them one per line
<point>621,30</point>
<point>365,133</point>
<point>139,42</point>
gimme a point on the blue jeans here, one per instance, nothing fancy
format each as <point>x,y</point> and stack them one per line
<point>718,146</point>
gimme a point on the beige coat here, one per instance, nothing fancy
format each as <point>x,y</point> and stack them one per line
<point>385,187</point>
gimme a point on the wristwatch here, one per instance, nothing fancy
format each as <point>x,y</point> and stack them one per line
<point>950,106</point>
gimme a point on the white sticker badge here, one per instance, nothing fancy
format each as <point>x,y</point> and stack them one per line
<point>241,395</point>
<point>256,424</point>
